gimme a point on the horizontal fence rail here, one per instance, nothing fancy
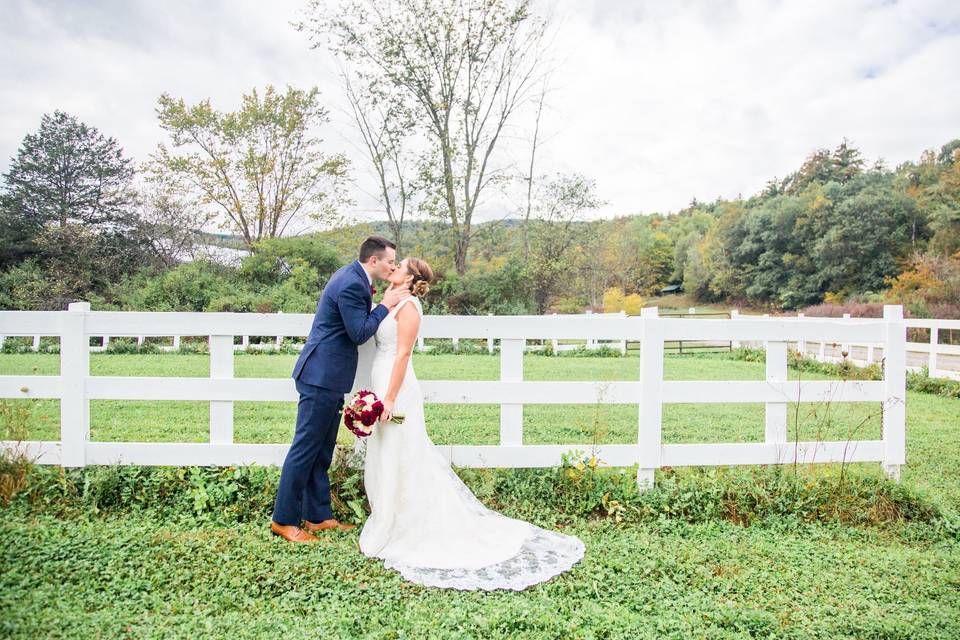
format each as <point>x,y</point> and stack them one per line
<point>931,355</point>
<point>75,387</point>
<point>941,359</point>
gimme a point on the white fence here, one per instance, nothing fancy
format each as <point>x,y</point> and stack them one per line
<point>931,354</point>
<point>75,387</point>
<point>278,341</point>
<point>555,345</point>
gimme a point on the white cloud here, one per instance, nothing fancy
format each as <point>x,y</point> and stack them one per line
<point>658,101</point>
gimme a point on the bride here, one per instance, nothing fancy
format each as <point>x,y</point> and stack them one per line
<point>424,522</point>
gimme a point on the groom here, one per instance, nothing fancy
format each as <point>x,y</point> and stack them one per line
<point>324,372</point>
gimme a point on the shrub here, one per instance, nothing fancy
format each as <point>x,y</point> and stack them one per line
<point>470,347</point>
<point>613,300</point>
<point>24,286</point>
<point>632,304</point>
<point>273,258</point>
<point>579,488</point>
<point>501,291</point>
<point>188,287</point>
<point>129,345</point>
<point>15,464</point>
<point>922,382</point>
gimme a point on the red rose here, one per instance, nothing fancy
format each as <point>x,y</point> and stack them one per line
<point>368,419</point>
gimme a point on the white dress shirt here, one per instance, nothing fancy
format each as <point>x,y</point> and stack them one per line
<point>369,278</point>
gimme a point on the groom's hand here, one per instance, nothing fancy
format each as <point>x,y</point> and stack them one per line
<point>394,295</point>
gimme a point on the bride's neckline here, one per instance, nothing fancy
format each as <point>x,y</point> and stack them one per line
<point>400,304</point>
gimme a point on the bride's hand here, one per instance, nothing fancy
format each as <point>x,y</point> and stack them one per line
<point>387,410</point>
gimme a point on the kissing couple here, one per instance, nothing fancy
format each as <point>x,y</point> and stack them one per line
<point>425,522</point>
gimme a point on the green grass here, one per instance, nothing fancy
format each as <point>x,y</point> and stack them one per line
<point>138,574</point>
<point>133,577</point>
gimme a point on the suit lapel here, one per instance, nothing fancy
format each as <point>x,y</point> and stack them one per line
<point>357,269</point>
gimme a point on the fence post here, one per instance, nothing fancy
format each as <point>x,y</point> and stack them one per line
<point>176,343</point>
<point>420,343</point>
<point>623,343</point>
<point>221,411</point>
<point>36,343</point>
<point>934,339</point>
<point>895,392</point>
<point>279,342</point>
<point>591,342</point>
<point>511,370</point>
<point>735,315</point>
<point>651,408</point>
<point>802,342</point>
<point>74,369</point>
<point>775,429</point>
<point>553,341</point>
<point>490,340</point>
<point>846,347</point>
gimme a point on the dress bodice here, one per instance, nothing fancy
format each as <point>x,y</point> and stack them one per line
<point>386,336</point>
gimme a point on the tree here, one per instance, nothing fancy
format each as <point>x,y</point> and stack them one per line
<point>467,65</point>
<point>259,166</point>
<point>558,205</point>
<point>822,166</point>
<point>709,272</point>
<point>868,235</point>
<point>67,172</point>
<point>935,185</point>
<point>170,222</point>
<point>386,123</point>
<point>529,178</point>
<point>655,263</point>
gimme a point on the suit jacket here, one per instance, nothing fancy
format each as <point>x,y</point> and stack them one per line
<point>342,323</point>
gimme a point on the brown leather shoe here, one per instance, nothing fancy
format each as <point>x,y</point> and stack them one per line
<point>292,533</point>
<point>327,524</point>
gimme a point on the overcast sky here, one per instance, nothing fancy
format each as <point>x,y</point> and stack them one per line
<point>659,102</point>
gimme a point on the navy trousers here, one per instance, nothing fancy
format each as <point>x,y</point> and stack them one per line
<point>304,491</point>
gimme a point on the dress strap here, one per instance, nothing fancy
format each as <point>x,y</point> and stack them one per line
<point>404,301</point>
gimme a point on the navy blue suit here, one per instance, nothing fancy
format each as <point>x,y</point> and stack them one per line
<point>324,372</point>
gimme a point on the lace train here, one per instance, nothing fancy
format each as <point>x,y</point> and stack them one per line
<point>543,555</point>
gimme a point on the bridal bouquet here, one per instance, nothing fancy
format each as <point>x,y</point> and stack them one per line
<point>363,412</point>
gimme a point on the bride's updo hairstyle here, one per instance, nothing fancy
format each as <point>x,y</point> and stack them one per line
<point>422,276</point>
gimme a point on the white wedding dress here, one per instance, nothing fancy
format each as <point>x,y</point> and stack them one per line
<point>424,522</point>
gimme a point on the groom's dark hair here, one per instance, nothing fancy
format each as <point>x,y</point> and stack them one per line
<point>374,246</point>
